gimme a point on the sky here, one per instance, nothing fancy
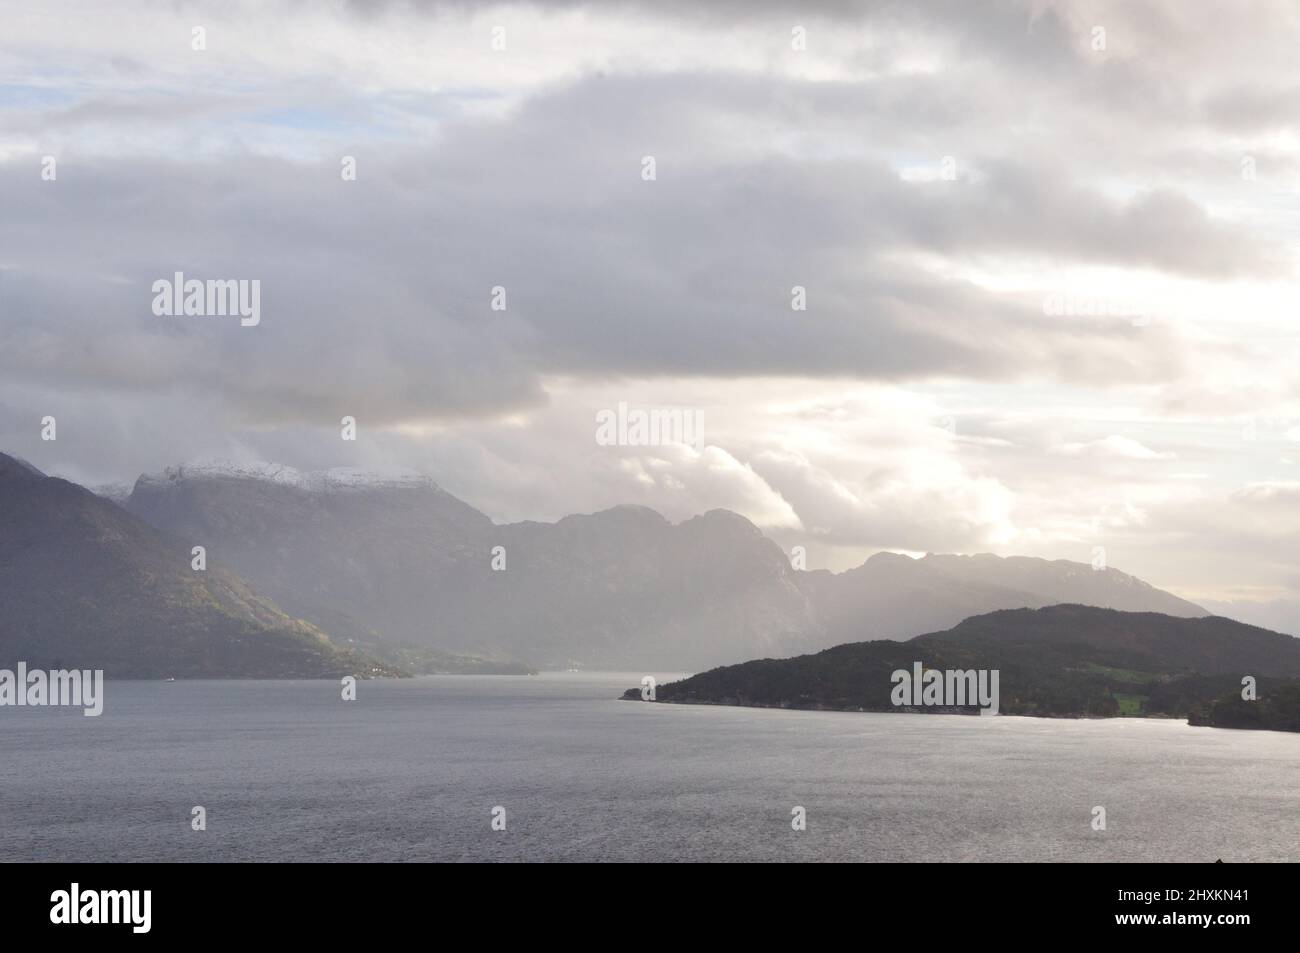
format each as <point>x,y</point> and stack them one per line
<point>1047,254</point>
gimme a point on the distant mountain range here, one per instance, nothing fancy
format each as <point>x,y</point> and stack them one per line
<point>896,597</point>
<point>1064,660</point>
<point>405,561</point>
<point>398,558</point>
<point>393,568</point>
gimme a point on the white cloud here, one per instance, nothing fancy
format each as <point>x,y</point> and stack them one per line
<point>924,401</point>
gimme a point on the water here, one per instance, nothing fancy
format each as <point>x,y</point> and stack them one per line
<point>413,768</point>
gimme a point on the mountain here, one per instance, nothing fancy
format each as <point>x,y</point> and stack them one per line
<point>400,559</point>
<point>84,584</point>
<point>1061,660</point>
<point>396,558</point>
<point>1140,641</point>
<point>896,597</point>
<point>361,556</point>
<point>624,588</point>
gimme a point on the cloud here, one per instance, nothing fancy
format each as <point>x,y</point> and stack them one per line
<point>925,399</point>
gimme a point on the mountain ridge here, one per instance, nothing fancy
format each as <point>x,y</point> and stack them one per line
<point>619,588</point>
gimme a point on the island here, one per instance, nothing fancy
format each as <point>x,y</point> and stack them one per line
<point>1065,661</point>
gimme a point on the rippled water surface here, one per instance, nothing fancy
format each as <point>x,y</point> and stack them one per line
<point>413,769</point>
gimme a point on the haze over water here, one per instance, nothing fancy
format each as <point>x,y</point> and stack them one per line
<point>411,771</point>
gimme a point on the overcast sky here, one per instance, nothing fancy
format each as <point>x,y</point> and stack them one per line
<point>952,183</point>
